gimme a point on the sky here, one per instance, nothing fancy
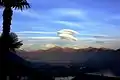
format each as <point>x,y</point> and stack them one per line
<point>39,24</point>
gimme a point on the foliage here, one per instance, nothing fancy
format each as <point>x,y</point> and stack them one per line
<point>17,4</point>
<point>13,43</point>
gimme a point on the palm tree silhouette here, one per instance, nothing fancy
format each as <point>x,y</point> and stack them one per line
<point>7,17</point>
<point>8,6</point>
<point>14,43</point>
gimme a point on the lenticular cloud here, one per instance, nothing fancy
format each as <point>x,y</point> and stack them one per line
<point>67,34</point>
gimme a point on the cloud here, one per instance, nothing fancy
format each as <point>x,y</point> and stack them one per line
<point>68,12</point>
<point>35,32</point>
<point>107,37</point>
<point>101,36</point>
<point>67,37</point>
<point>92,35</point>
<point>54,18</point>
<point>29,13</point>
<point>33,14</point>
<point>67,31</point>
<point>87,24</point>
<point>39,38</point>
<point>64,33</point>
<point>51,13</point>
<point>81,42</point>
<point>71,13</point>
<point>49,18</point>
<point>50,37</point>
<point>67,23</point>
<point>100,42</point>
<point>46,32</point>
<point>53,34</point>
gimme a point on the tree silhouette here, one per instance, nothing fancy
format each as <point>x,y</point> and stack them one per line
<point>8,6</point>
<point>8,12</point>
<point>14,43</point>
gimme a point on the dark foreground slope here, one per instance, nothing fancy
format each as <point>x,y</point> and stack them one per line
<point>17,66</point>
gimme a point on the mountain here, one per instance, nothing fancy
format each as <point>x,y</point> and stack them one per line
<point>66,54</point>
<point>95,59</point>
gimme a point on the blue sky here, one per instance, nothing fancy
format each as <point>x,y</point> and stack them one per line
<point>88,17</point>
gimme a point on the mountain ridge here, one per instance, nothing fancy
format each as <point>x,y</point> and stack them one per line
<point>58,53</point>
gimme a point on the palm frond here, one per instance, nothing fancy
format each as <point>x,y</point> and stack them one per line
<point>17,44</point>
<point>13,43</point>
<point>23,5</point>
<point>17,4</point>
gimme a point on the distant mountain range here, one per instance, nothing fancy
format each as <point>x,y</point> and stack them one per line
<point>94,58</point>
<point>59,54</point>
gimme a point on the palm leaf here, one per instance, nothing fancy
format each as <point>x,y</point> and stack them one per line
<point>17,4</point>
<point>13,43</point>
